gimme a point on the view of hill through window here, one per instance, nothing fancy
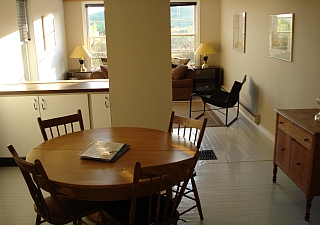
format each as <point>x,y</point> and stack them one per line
<point>182,33</point>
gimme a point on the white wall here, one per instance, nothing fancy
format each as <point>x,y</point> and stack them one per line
<point>210,28</point>
<point>51,62</point>
<point>273,83</point>
<point>44,65</point>
<point>75,30</point>
<point>10,57</point>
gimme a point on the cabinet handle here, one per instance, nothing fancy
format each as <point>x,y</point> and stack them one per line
<point>280,122</point>
<point>298,163</point>
<point>282,149</point>
<point>306,139</point>
<point>106,102</point>
<point>35,104</point>
<point>42,104</point>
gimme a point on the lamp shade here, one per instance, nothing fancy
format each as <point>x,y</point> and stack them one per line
<point>80,52</point>
<point>205,49</point>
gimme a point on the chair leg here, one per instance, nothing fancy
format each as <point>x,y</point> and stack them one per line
<point>103,217</point>
<point>238,108</point>
<point>226,116</point>
<point>196,196</point>
<point>190,111</point>
<point>38,220</point>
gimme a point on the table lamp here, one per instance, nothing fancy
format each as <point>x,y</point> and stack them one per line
<point>80,52</point>
<point>205,49</point>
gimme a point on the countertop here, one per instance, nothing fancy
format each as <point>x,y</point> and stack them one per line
<point>56,87</point>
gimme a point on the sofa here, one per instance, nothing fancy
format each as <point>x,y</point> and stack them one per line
<point>183,77</point>
<point>100,73</point>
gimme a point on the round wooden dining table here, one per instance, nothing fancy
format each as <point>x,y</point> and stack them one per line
<point>103,181</point>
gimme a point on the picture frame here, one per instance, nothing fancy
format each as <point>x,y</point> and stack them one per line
<point>239,31</point>
<point>281,36</point>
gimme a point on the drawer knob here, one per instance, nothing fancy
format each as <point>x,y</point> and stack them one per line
<point>298,163</point>
<point>282,149</point>
<point>306,139</point>
<point>280,122</point>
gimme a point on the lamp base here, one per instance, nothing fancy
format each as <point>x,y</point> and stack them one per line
<point>204,65</point>
<point>82,68</point>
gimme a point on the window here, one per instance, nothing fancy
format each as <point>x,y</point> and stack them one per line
<point>183,29</point>
<point>96,33</point>
<point>22,16</point>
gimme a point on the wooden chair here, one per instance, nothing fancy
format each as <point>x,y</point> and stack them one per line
<point>149,204</point>
<point>193,130</point>
<point>220,100</point>
<point>53,209</point>
<point>64,124</point>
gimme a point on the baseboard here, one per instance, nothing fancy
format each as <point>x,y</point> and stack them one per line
<point>255,118</point>
<point>251,119</point>
<point>6,162</point>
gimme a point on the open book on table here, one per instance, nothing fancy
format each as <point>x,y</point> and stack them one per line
<point>105,151</point>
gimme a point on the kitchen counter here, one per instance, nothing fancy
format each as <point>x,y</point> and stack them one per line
<point>61,86</point>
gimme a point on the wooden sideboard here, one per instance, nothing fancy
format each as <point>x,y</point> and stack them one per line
<point>297,150</point>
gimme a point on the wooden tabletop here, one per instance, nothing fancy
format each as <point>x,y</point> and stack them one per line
<point>98,180</point>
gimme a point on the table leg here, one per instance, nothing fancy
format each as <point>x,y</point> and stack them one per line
<point>275,170</point>
<point>308,208</point>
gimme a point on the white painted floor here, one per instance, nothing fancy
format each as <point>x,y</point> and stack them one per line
<point>236,188</point>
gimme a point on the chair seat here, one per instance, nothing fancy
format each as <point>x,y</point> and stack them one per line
<point>218,98</point>
<point>72,208</point>
<point>120,210</point>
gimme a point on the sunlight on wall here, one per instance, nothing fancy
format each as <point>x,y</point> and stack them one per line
<point>11,59</point>
<point>46,72</point>
<point>45,48</point>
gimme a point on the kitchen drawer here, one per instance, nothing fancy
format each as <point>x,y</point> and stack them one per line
<point>297,133</point>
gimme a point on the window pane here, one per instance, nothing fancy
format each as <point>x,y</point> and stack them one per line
<point>182,20</point>
<point>183,31</point>
<point>182,43</point>
<point>96,34</point>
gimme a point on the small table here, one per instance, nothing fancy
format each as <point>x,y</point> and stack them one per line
<point>76,74</point>
<point>101,181</point>
<point>210,76</point>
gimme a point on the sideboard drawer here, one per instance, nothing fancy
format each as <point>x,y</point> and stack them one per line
<point>297,133</point>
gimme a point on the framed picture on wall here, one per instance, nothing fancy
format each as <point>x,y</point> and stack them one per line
<point>239,31</point>
<point>281,36</point>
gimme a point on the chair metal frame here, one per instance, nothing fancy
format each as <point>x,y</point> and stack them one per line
<point>55,123</point>
<point>220,100</point>
<point>193,130</point>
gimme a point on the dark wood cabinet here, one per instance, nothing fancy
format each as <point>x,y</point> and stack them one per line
<point>207,77</point>
<point>297,150</point>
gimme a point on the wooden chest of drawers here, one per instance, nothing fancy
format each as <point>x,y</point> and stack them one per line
<point>297,150</point>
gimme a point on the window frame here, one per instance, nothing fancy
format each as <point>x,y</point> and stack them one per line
<point>95,60</point>
<point>196,35</point>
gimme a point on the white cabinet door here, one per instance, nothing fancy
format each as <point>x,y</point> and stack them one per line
<point>18,118</point>
<point>60,105</point>
<point>100,106</point>
<point>18,124</point>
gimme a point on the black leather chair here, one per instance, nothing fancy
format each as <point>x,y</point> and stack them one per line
<point>220,99</point>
